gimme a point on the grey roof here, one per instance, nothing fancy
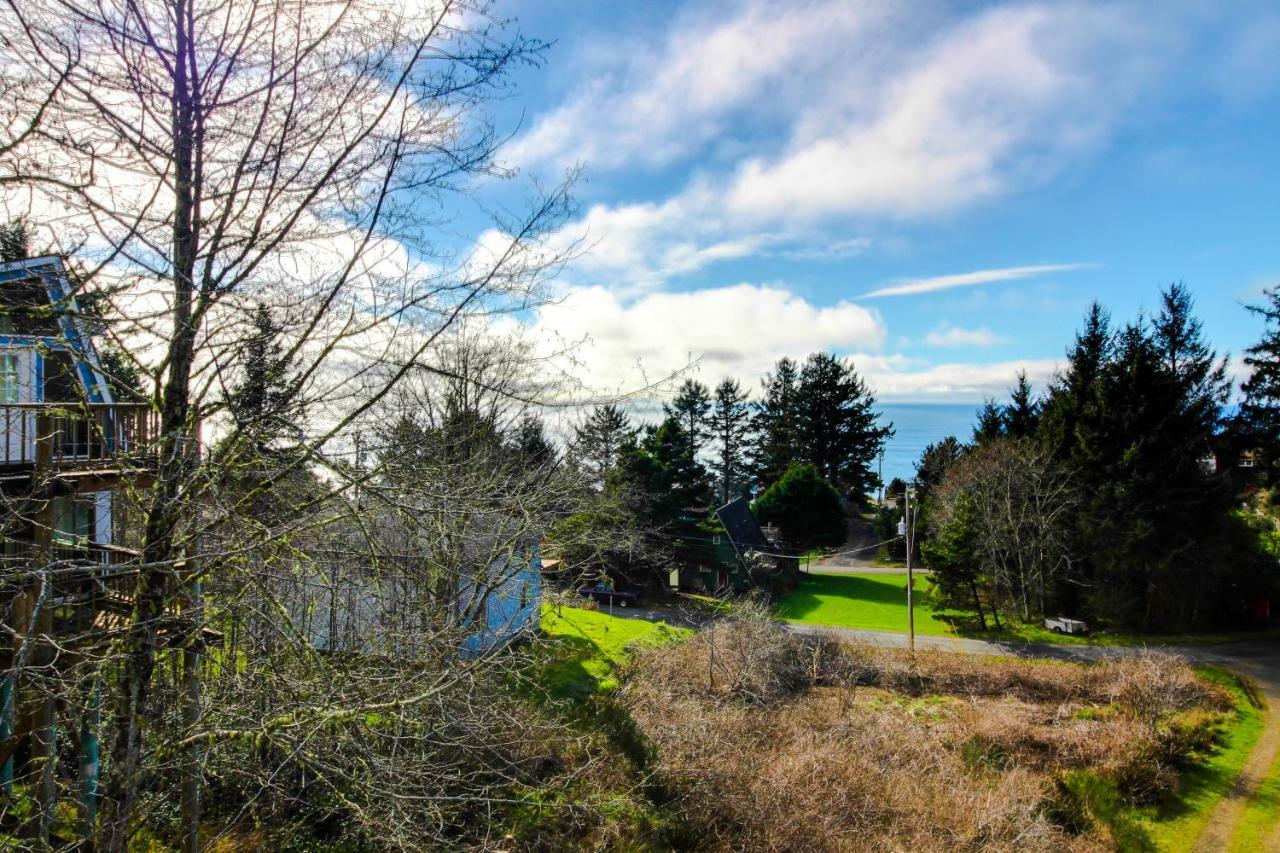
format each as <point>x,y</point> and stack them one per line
<point>741,526</point>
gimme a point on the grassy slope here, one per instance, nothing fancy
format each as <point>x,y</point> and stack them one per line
<point>1176,824</point>
<point>591,646</point>
<point>878,602</point>
<point>871,602</point>
<point>1260,822</point>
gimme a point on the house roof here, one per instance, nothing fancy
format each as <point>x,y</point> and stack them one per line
<point>741,526</point>
<point>50,272</point>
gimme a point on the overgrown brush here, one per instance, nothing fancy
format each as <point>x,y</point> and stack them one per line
<point>771,740</point>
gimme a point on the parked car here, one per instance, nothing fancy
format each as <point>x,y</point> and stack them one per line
<point>604,594</point>
<point>1063,625</point>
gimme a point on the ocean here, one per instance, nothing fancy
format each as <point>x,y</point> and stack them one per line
<point>916,426</point>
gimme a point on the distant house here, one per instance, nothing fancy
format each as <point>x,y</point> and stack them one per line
<point>504,601</point>
<point>352,600</point>
<point>57,415</point>
<point>740,559</point>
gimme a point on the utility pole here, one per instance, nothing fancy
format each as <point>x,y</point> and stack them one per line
<point>880,475</point>
<point>911,615</point>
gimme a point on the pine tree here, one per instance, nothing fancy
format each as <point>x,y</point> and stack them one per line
<point>837,429</point>
<point>261,404</point>
<point>1259,417</point>
<point>730,428</point>
<point>1072,399</point>
<point>1202,379</point>
<point>1022,415</point>
<point>774,424</point>
<point>15,240</point>
<point>529,443</point>
<point>990,424</point>
<point>691,407</point>
<point>935,462</point>
<point>668,488</point>
<point>598,443</point>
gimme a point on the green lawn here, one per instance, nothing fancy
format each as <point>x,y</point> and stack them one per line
<point>591,645</point>
<point>1261,817</point>
<point>871,602</point>
<point>877,602</point>
<point>1175,825</point>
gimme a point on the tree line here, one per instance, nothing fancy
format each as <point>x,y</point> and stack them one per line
<point>1115,495</point>
<point>809,437</point>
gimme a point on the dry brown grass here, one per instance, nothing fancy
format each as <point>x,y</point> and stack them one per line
<point>766,740</point>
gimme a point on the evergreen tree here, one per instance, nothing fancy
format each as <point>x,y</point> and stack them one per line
<point>529,443</point>
<point>1072,399</point>
<point>951,552</point>
<point>837,429</point>
<point>935,462</point>
<point>599,442</point>
<point>990,424</point>
<point>15,240</point>
<point>262,403</point>
<point>730,428</point>
<point>1155,533</point>
<point>1022,415</point>
<point>691,407</point>
<point>775,422</point>
<point>1259,418</point>
<point>668,489</point>
<point>805,507</point>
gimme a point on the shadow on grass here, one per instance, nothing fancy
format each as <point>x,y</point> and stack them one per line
<point>573,669</point>
<point>815,591</point>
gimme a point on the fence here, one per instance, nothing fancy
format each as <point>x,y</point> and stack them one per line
<point>79,433</point>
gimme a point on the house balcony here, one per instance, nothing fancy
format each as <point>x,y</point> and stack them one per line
<point>77,439</point>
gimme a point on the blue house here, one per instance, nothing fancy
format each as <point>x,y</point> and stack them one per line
<point>503,602</point>
<point>68,454</point>
<point>350,600</point>
<point>58,420</point>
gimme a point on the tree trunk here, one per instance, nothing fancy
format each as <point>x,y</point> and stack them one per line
<point>167,510</point>
<point>977,603</point>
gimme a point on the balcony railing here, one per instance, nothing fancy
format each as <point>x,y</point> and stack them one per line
<point>62,435</point>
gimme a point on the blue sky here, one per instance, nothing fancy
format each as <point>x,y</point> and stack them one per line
<point>936,190</point>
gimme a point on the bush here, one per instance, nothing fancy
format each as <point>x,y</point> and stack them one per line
<point>804,742</point>
<point>805,507</point>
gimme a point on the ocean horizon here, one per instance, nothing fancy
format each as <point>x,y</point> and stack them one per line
<point>916,426</point>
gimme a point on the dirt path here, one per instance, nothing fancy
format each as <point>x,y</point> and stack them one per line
<point>858,553</point>
<point>1225,820</point>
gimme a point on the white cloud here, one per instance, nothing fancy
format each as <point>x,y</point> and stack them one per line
<point>650,105</point>
<point>947,335</point>
<point>839,115</point>
<point>738,331</point>
<point>970,279</point>
<point>899,379</point>
<point>741,331</point>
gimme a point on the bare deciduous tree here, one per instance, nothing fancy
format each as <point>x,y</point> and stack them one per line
<point>1019,502</point>
<point>211,158</point>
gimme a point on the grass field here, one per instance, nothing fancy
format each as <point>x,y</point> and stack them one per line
<point>1176,825</point>
<point>878,602</point>
<point>870,602</point>
<point>590,646</point>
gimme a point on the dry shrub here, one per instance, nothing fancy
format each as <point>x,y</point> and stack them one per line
<point>761,743</point>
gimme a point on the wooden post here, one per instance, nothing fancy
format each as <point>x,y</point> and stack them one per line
<point>89,761</point>
<point>46,736</point>
<point>191,713</point>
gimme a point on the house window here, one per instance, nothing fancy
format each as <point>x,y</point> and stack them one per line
<point>61,378</point>
<point>73,521</point>
<point>524,595</point>
<point>9,378</point>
